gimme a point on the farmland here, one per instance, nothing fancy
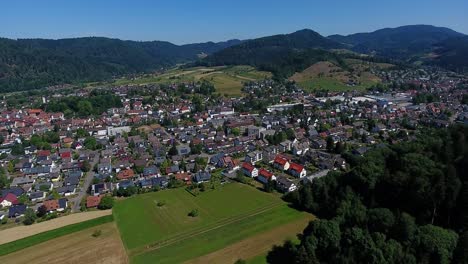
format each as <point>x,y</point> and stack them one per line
<point>228,80</point>
<point>228,215</point>
<point>48,235</point>
<point>77,247</point>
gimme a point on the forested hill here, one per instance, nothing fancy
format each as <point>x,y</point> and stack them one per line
<point>401,42</point>
<point>452,54</point>
<point>402,203</point>
<point>286,54</point>
<point>36,63</point>
<point>281,54</point>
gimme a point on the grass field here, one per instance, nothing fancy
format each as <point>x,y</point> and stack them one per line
<point>228,80</point>
<point>45,236</point>
<point>326,75</point>
<point>227,215</point>
<point>257,260</point>
<point>260,244</point>
<point>77,247</point>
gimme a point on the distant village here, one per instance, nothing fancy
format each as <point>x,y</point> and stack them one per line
<point>276,136</point>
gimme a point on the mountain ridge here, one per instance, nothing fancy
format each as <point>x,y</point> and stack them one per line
<point>35,63</point>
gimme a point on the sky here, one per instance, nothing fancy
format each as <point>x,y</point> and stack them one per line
<point>191,21</point>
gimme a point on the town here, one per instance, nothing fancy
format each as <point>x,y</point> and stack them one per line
<point>124,140</point>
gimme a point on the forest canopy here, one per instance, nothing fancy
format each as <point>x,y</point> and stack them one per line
<point>403,203</point>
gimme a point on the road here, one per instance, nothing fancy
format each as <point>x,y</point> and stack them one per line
<point>89,176</point>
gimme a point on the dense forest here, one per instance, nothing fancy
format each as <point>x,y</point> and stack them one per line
<point>402,203</point>
<point>95,104</point>
<point>36,63</point>
<point>397,43</point>
<point>453,54</point>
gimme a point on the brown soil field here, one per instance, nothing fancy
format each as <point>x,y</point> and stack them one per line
<point>256,245</point>
<point>79,247</point>
<point>19,232</point>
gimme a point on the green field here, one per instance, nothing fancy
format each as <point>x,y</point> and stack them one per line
<point>226,215</point>
<point>257,260</point>
<point>228,80</point>
<point>42,237</point>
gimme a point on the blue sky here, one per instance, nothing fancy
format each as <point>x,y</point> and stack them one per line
<point>188,21</point>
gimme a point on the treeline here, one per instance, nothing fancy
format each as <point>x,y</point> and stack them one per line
<point>95,104</point>
<point>405,203</point>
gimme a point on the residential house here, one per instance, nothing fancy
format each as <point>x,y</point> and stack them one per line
<point>264,176</point>
<point>285,185</point>
<point>297,170</point>
<point>101,188</point>
<point>126,174</point>
<point>254,157</point>
<point>37,196</point>
<point>8,200</point>
<point>249,170</point>
<point>93,201</point>
<point>281,163</point>
<point>202,176</point>
<point>151,171</point>
<point>67,190</point>
<point>16,210</point>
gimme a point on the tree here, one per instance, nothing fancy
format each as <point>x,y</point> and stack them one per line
<point>380,220</point>
<point>107,202</point>
<point>81,133</point>
<point>193,213</point>
<point>269,186</point>
<point>290,134</point>
<point>339,147</point>
<point>4,182</point>
<point>90,143</point>
<point>29,217</point>
<point>85,108</point>
<point>173,150</point>
<point>330,144</point>
<point>85,166</point>
<point>235,131</point>
<point>41,211</point>
<point>436,244</point>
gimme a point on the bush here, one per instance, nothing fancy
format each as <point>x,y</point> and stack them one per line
<point>107,202</point>
<point>97,233</point>
<point>193,213</point>
<point>29,217</point>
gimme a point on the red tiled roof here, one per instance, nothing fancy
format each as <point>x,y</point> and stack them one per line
<point>93,201</point>
<point>65,155</point>
<point>51,205</point>
<point>10,197</point>
<point>265,173</point>
<point>248,166</point>
<point>280,160</point>
<point>296,167</point>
